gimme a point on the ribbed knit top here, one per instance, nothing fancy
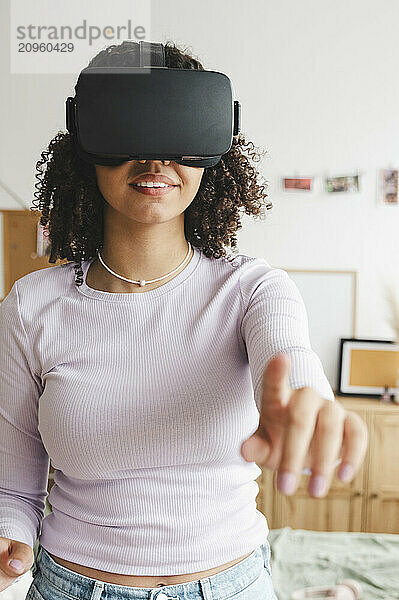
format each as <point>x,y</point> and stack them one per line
<point>142,401</point>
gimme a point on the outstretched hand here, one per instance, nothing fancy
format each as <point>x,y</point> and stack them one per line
<point>300,429</point>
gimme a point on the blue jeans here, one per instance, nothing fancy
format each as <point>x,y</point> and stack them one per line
<point>249,579</point>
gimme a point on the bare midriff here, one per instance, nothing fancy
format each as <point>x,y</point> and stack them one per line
<point>147,581</point>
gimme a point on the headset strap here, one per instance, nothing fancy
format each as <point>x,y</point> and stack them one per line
<point>151,54</point>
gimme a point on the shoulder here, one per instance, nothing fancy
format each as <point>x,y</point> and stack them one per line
<point>48,275</point>
<point>253,276</point>
<point>43,286</point>
<point>256,274</point>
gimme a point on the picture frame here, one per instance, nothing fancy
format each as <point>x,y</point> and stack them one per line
<point>343,183</point>
<point>297,184</point>
<point>388,187</point>
<point>366,366</point>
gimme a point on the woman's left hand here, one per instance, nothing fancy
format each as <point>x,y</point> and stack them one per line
<point>300,429</point>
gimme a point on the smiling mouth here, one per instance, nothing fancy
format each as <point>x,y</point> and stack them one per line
<point>152,190</point>
<point>151,187</point>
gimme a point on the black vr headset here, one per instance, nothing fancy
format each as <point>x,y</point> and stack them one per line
<point>152,112</point>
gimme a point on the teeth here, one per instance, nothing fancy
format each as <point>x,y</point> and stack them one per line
<point>152,184</point>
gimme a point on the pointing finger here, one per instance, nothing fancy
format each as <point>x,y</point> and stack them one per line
<point>276,387</point>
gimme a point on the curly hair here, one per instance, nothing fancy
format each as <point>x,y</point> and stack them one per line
<point>72,205</point>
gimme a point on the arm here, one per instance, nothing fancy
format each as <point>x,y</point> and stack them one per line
<point>300,424</point>
<point>24,463</point>
<point>275,320</point>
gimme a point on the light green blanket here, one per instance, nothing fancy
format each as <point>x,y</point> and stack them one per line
<point>302,558</point>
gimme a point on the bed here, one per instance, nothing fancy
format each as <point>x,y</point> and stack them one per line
<point>304,558</point>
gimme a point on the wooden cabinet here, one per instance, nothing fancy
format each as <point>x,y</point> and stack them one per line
<point>370,503</point>
<point>20,231</point>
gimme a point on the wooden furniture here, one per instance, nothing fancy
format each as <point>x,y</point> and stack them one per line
<point>370,503</point>
<point>20,245</point>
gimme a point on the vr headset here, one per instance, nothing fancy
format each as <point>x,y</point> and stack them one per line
<point>152,112</point>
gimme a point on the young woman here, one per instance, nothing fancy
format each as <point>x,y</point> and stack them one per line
<point>136,375</point>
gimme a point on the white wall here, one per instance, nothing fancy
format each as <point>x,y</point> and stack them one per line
<point>318,85</point>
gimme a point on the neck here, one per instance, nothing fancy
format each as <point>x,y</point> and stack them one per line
<point>140,251</point>
<point>175,260</point>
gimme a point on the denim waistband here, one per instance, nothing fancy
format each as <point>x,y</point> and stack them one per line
<point>48,574</point>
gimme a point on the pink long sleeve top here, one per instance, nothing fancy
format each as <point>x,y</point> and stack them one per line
<point>142,402</point>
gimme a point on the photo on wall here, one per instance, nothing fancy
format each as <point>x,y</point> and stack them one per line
<point>388,187</point>
<point>346,183</point>
<point>297,184</point>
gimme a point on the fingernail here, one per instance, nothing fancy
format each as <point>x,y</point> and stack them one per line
<point>286,482</point>
<point>345,472</point>
<point>317,484</point>
<point>251,447</point>
<point>16,565</point>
